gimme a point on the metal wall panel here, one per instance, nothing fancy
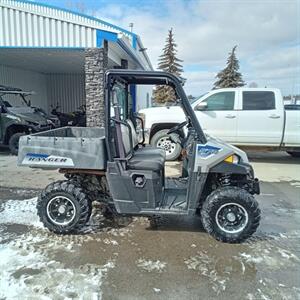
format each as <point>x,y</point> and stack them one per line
<point>28,81</point>
<point>68,90</point>
<point>35,25</point>
<point>24,29</point>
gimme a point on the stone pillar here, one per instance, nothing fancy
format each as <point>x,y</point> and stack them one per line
<point>96,60</point>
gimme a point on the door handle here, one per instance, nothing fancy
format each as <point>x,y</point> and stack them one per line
<point>230,116</point>
<point>274,116</point>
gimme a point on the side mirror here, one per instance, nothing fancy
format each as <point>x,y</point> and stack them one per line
<point>201,106</point>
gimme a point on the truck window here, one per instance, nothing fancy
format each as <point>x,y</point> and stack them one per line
<point>220,101</point>
<point>258,100</point>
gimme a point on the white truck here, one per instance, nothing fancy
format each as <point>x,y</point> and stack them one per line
<point>245,117</point>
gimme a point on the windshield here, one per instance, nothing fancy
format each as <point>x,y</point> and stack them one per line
<point>12,100</point>
<point>197,98</point>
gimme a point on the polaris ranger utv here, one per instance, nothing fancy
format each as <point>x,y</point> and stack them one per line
<point>112,166</point>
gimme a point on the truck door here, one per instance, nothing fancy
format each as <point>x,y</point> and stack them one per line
<point>219,116</point>
<point>260,122</point>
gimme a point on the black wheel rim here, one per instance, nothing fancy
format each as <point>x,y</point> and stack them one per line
<point>232,218</point>
<point>61,210</point>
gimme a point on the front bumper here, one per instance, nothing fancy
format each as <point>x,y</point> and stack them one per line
<point>252,181</point>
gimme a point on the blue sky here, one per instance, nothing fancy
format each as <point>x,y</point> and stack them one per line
<point>267,33</point>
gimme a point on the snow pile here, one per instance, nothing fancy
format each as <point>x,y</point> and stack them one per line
<point>25,269</point>
<point>150,266</point>
<point>20,212</point>
<point>28,265</point>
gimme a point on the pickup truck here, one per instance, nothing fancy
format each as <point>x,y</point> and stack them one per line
<point>245,117</point>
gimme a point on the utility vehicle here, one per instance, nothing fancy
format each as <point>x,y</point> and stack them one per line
<point>18,117</point>
<point>112,166</point>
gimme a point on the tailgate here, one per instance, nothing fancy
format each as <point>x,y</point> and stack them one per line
<point>61,148</point>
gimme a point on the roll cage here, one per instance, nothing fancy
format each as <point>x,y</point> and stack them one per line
<point>128,77</point>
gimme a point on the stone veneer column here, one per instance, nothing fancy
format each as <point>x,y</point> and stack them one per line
<point>96,60</point>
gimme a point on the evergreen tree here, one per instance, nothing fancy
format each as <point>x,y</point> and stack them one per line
<point>168,62</point>
<point>230,77</point>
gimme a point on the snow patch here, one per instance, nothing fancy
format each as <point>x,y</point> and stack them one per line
<point>149,265</point>
<point>205,265</point>
<point>26,271</point>
<point>270,255</point>
<point>20,212</point>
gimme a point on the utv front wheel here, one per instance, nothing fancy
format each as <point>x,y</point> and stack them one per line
<point>63,207</point>
<point>230,214</point>
<point>13,143</point>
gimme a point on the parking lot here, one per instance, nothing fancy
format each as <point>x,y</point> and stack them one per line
<point>176,261</point>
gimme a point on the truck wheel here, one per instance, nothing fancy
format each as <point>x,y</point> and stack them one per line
<point>162,140</point>
<point>293,153</point>
<point>63,207</point>
<point>13,143</point>
<point>230,214</point>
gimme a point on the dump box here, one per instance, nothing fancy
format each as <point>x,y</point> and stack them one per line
<point>66,147</point>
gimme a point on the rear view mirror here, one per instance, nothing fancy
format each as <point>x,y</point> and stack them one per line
<point>201,106</point>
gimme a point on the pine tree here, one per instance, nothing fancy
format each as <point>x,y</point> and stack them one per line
<point>230,77</point>
<point>168,62</point>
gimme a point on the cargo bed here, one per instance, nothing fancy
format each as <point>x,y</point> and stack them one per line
<point>66,147</point>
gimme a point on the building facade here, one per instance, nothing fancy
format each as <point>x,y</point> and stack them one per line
<point>62,55</point>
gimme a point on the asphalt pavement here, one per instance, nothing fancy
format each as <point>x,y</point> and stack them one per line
<point>133,261</point>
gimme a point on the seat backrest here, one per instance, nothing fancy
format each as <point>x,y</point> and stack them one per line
<point>126,136</point>
<point>135,139</point>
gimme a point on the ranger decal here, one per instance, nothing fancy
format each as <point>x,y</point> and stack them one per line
<point>45,159</point>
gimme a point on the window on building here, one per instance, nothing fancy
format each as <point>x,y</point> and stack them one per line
<point>220,101</point>
<point>258,100</point>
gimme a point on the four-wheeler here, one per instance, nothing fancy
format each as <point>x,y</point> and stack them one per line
<point>18,117</point>
<point>111,165</point>
<point>76,118</point>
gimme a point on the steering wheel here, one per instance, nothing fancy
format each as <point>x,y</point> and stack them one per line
<point>177,127</point>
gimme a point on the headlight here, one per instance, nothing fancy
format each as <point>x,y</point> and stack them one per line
<point>233,159</point>
<point>14,118</point>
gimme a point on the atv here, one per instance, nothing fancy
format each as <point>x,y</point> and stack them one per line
<point>113,166</point>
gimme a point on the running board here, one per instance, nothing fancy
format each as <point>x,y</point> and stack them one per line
<point>162,211</point>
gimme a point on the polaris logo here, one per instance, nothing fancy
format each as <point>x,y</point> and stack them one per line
<point>205,151</point>
<point>45,159</point>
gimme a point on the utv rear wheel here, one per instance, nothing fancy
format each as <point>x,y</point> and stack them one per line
<point>13,143</point>
<point>230,214</point>
<point>63,207</point>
